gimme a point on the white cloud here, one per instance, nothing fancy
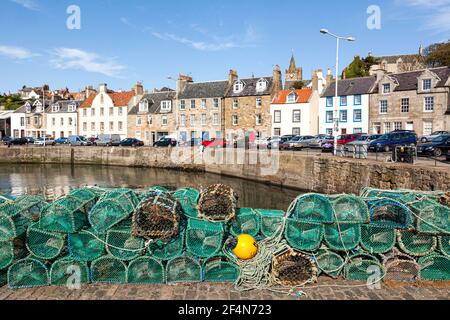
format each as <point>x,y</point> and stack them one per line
<point>28,4</point>
<point>16,53</point>
<point>435,13</point>
<point>77,59</point>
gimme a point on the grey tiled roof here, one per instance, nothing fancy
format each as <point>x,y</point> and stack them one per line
<point>250,88</point>
<point>64,106</point>
<point>215,89</point>
<point>408,81</point>
<point>154,101</point>
<point>22,109</point>
<point>405,58</point>
<point>349,87</point>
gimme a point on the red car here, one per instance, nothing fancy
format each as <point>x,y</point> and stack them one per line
<point>214,143</point>
<point>347,138</point>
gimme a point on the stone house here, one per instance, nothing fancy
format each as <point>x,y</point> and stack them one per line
<point>35,118</point>
<point>62,119</point>
<point>199,109</point>
<point>152,116</point>
<point>247,105</point>
<point>398,63</point>
<point>417,100</point>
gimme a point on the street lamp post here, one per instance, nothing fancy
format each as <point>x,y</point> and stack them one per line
<point>336,108</point>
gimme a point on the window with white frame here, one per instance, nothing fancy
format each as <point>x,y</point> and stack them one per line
<point>192,120</point>
<point>111,125</point>
<point>120,111</point>
<point>164,120</point>
<point>386,88</point>
<point>343,116</point>
<point>102,112</point>
<point>70,121</point>
<point>429,104</point>
<point>183,105</point>
<point>92,126</point>
<point>261,85</point>
<point>357,115</point>
<point>258,103</point>
<point>216,103</point>
<point>238,86</point>
<point>427,127</point>
<point>235,120</point>
<point>235,103</point>
<point>277,116</point>
<point>398,125</point>
<point>329,117</point>
<point>277,131</point>
<point>22,121</point>
<point>296,131</point>
<point>143,106</point>
<point>404,105</point>
<point>343,100</point>
<point>183,120</point>
<point>138,121</point>
<point>192,104</point>
<point>292,97</point>
<point>204,119</point>
<point>258,119</point>
<point>426,84</point>
<point>72,107</point>
<point>111,111</point>
<point>357,100</point>
<point>85,126</point>
<point>203,103</point>
<point>150,119</point>
<point>296,116</point>
<point>387,127</point>
<point>383,106</point>
<point>215,119</point>
<point>55,108</point>
<point>166,106</point>
<point>120,125</point>
<point>28,108</point>
<point>329,101</point>
<point>102,126</point>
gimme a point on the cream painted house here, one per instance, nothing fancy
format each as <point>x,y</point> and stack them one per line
<point>62,119</point>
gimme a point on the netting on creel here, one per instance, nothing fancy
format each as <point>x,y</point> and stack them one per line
<point>220,269</point>
<point>329,263</point>
<point>312,208</point>
<point>377,240</point>
<point>67,271</point>
<point>183,269</point>
<point>204,239</point>
<point>400,267</point>
<point>349,209</point>
<point>157,216</point>
<point>112,208</point>
<point>434,268</point>
<point>342,237</point>
<point>217,203</point>
<point>271,221</point>
<point>362,267</point>
<point>416,244</point>
<point>11,251</point>
<point>121,243</point>
<point>65,215</point>
<point>444,245</point>
<point>188,198</point>
<point>108,269</point>
<point>388,213</point>
<point>3,278</point>
<point>247,221</point>
<point>167,249</point>
<point>30,206</point>
<point>44,244</point>
<point>86,246</point>
<point>28,273</point>
<point>146,270</point>
<point>431,217</point>
<point>303,236</point>
<point>12,223</point>
<point>293,269</point>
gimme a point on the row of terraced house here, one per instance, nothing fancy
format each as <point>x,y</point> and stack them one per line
<point>265,106</point>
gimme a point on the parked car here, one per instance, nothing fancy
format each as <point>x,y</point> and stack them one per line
<point>447,158</point>
<point>44,142</point>
<point>78,141</point>
<point>301,143</point>
<point>62,141</point>
<point>274,140</point>
<point>108,140</point>
<point>318,141</point>
<point>30,140</point>
<point>165,142</point>
<point>432,136</point>
<point>275,143</point>
<point>92,140</point>
<point>347,138</point>
<point>131,142</point>
<point>17,142</point>
<point>287,144</point>
<point>214,143</point>
<point>363,140</point>
<point>437,147</point>
<point>6,140</point>
<point>328,146</point>
<point>389,141</point>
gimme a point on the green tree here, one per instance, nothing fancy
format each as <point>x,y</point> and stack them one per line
<point>438,54</point>
<point>360,67</point>
<point>298,85</point>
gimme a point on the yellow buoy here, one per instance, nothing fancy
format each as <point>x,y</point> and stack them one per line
<point>246,247</point>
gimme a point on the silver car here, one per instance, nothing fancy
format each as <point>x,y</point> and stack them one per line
<point>432,136</point>
<point>318,141</point>
<point>302,142</point>
<point>363,140</point>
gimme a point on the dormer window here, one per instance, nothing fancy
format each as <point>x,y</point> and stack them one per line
<point>55,108</point>
<point>72,108</point>
<point>238,86</point>
<point>166,106</point>
<point>28,108</point>
<point>292,97</point>
<point>39,107</point>
<point>261,85</point>
<point>386,88</point>
<point>143,106</point>
<point>426,84</point>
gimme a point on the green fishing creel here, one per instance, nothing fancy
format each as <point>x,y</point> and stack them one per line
<point>67,271</point>
<point>377,240</point>
<point>11,251</point>
<point>271,222</point>
<point>400,267</point>
<point>28,273</point>
<point>342,237</point>
<point>65,215</point>
<point>204,239</point>
<point>416,244</point>
<point>43,244</point>
<point>303,236</point>
<point>431,217</point>
<point>31,206</point>
<point>146,270</point>
<point>3,278</point>
<point>108,269</point>
<point>434,268</point>
<point>329,262</point>
<point>12,223</point>
<point>349,209</point>
<point>87,196</point>
<point>312,208</point>
<point>167,249</point>
<point>86,246</point>
<point>388,213</point>
<point>219,269</point>
<point>183,269</point>
<point>188,198</point>
<point>247,221</point>
<point>121,243</point>
<point>364,267</point>
<point>444,245</point>
<point>112,208</point>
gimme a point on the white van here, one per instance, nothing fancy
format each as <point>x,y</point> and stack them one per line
<point>78,141</point>
<point>108,140</point>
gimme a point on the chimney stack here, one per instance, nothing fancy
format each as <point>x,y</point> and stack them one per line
<point>232,77</point>
<point>277,82</point>
<point>138,89</point>
<point>103,88</point>
<point>329,76</point>
<point>182,81</point>
<point>315,81</point>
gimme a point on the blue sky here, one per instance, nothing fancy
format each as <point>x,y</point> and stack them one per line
<point>121,42</point>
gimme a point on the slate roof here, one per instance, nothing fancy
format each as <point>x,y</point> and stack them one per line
<point>250,88</point>
<point>349,87</point>
<point>214,89</point>
<point>64,106</point>
<point>405,58</point>
<point>154,100</point>
<point>22,109</point>
<point>407,81</point>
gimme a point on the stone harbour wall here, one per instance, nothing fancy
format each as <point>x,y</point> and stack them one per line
<point>308,173</point>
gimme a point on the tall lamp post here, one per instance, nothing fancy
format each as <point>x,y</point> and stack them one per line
<point>336,108</point>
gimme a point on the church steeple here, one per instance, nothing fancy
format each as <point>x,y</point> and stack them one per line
<point>293,74</point>
<point>292,65</point>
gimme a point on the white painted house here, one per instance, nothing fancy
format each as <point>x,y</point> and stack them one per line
<point>18,127</point>
<point>353,106</point>
<point>62,119</point>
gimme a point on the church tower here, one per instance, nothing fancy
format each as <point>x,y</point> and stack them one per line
<point>294,74</point>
